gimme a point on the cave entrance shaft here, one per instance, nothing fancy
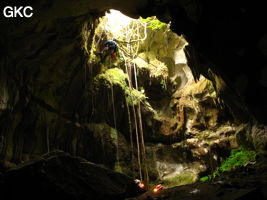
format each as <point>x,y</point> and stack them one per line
<point>128,44</point>
<point>127,34</point>
<point>149,56</point>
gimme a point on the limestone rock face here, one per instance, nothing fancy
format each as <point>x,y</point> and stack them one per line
<point>44,83</point>
<point>111,147</point>
<point>205,136</point>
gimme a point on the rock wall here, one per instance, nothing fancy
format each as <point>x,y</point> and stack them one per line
<point>44,98</point>
<point>187,131</point>
<point>42,69</point>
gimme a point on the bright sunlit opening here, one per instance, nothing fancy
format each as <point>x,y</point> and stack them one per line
<point>116,21</point>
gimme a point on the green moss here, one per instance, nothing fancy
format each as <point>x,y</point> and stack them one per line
<point>182,179</point>
<point>114,135</point>
<point>117,167</point>
<point>116,76</point>
<point>134,96</point>
<point>239,157</point>
<point>204,178</point>
<point>154,23</point>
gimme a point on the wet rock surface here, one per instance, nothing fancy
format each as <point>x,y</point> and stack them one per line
<point>58,175</point>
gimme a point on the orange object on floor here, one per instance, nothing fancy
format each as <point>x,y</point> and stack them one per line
<point>157,188</point>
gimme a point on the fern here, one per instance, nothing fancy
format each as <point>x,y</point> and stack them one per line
<point>238,157</point>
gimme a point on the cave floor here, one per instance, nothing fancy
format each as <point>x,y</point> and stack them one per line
<point>249,182</point>
<point>61,175</point>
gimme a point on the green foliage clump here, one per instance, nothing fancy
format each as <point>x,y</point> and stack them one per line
<point>134,96</point>
<point>154,23</point>
<point>204,178</point>
<point>239,157</point>
<point>113,76</point>
<point>116,76</point>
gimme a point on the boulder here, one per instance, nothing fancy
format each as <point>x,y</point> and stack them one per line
<point>59,175</point>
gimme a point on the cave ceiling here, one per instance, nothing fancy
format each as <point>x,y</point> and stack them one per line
<point>227,37</point>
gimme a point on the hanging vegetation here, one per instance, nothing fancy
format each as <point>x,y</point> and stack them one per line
<point>117,77</point>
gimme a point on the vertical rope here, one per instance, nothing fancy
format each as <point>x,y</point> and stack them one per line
<point>141,132</point>
<point>131,135</point>
<point>133,52</point>
<point>135,117</point>
<point>139,109</point>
